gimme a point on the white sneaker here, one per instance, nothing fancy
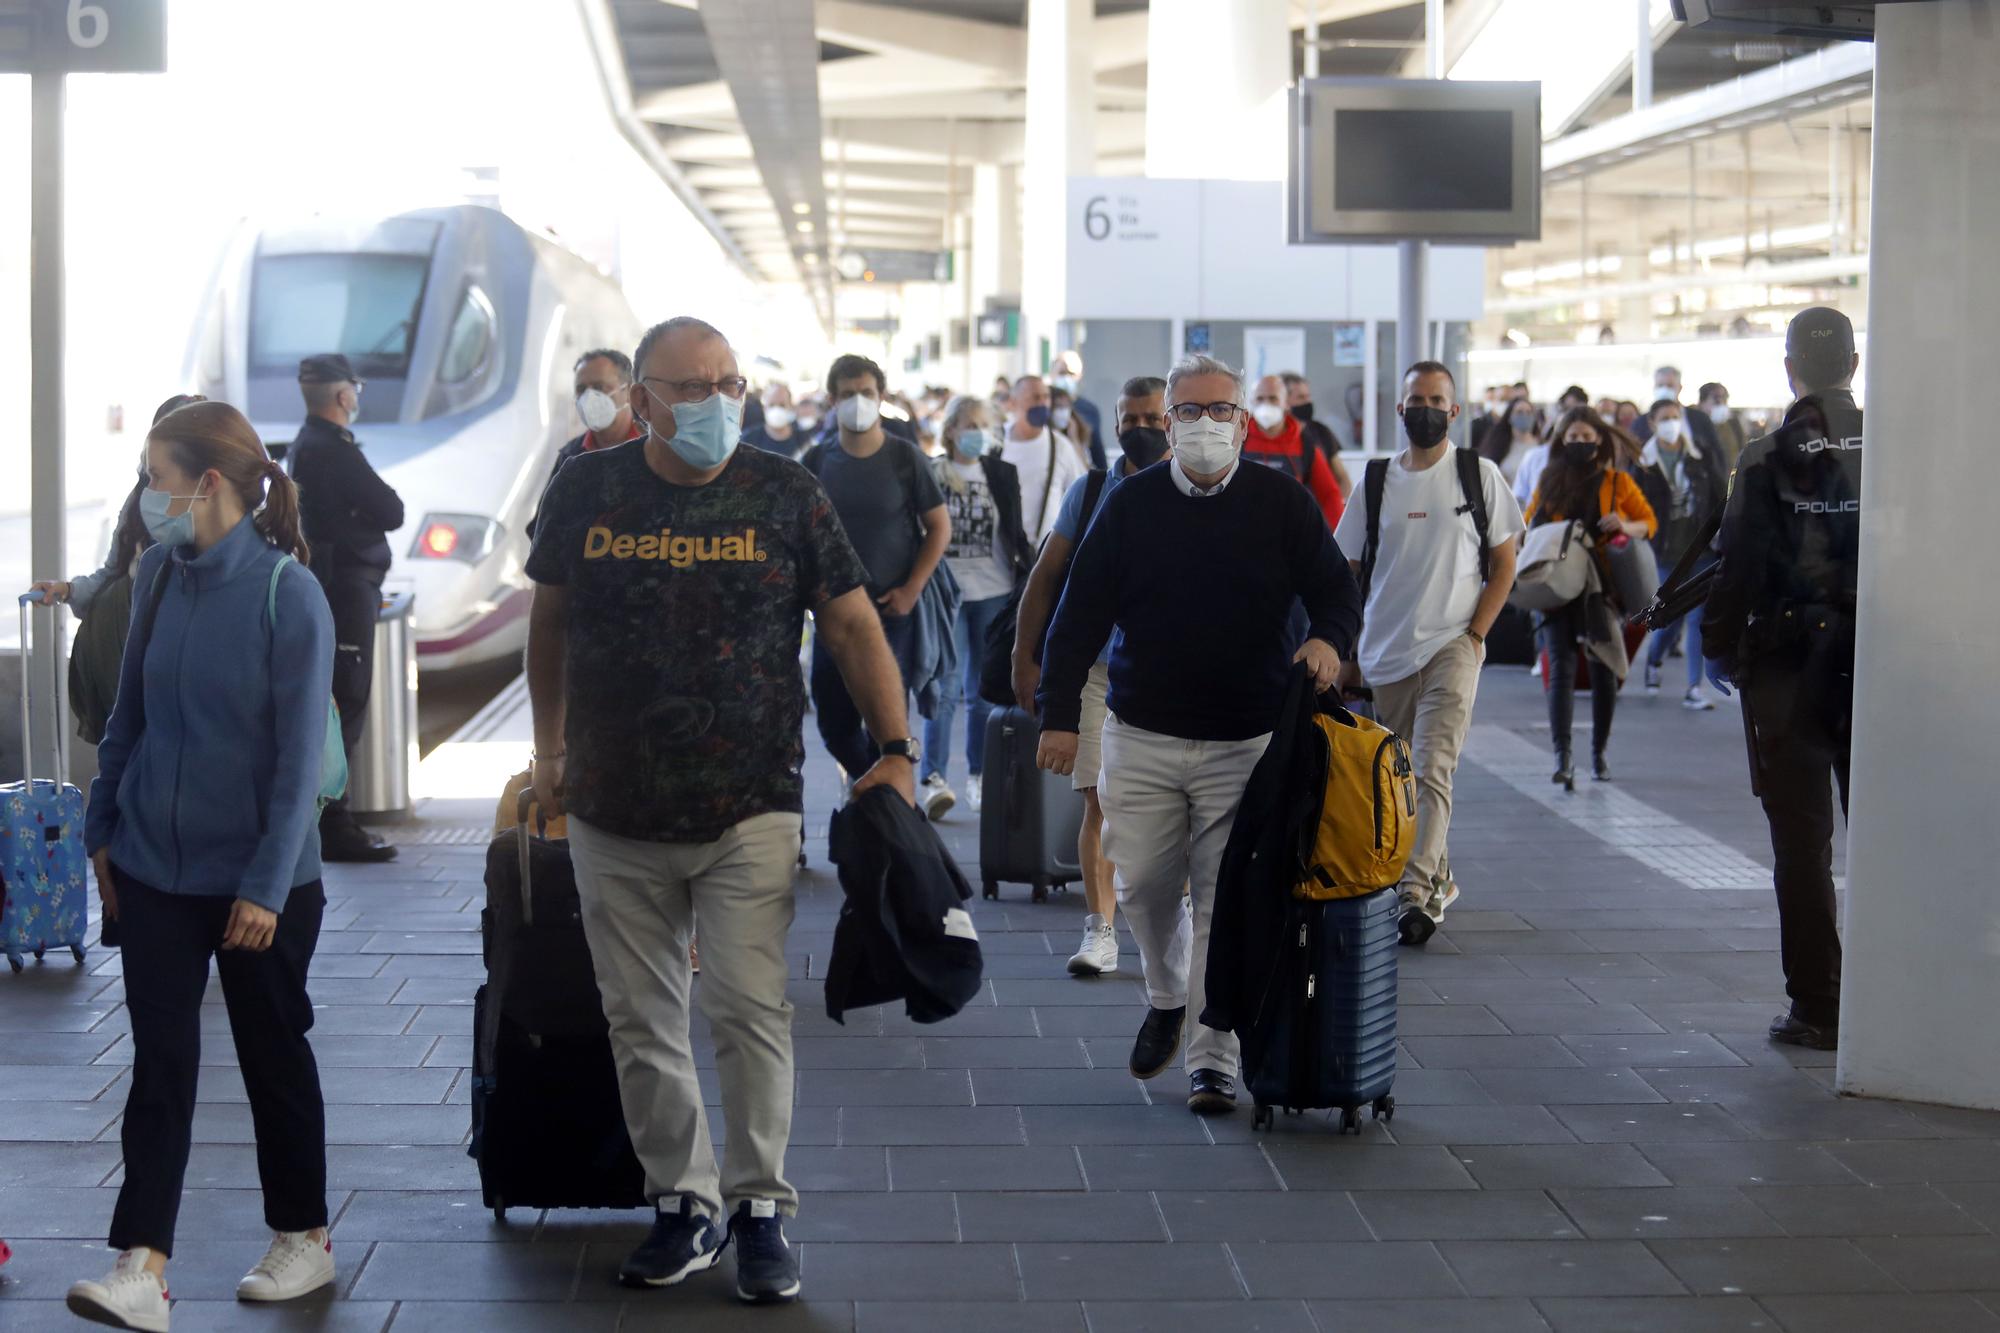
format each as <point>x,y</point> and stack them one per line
<point>974,793</point>
<point>126,1297</point>
<point>936,798</point>
<point>1099,955</point>
<point>294,1265</point>
<point>1697,702</point>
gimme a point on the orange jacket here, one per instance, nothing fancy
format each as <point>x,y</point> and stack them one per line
<point>1619,494</point>
<point>1289,452</point>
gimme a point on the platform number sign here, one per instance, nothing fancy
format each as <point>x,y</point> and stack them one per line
<point>1096,221</point>
<point>83,36</point>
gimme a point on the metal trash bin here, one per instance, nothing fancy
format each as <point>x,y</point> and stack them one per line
<point>378,786</point>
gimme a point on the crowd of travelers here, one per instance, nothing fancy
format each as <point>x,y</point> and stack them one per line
<point>1163,594</point>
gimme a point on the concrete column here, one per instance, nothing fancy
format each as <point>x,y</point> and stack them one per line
<point>1215,83</point>
<point>1922,983</point>
<point>1061,141</point>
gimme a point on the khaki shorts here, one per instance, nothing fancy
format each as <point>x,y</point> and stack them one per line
<point>1090,728</point>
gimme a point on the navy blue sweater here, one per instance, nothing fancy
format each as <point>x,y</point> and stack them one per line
<point>1200,589</point>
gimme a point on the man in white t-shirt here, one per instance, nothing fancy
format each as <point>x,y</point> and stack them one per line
<point>1431,598</point>
<point>1048,462</point>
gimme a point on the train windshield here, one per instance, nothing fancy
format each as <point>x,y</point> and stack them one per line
<point>362,305</point>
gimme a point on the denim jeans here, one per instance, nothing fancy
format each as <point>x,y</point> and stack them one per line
<point>974,620</point>
<point>1664,638</point>
<point>839,717</point>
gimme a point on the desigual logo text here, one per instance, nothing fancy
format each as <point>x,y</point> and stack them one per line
<point>678,551</point>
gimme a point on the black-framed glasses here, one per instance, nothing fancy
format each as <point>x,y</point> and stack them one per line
<point>1192,412</point>
<point>693,391</point>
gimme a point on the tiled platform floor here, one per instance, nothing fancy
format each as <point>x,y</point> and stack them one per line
<point>1593,1133</point>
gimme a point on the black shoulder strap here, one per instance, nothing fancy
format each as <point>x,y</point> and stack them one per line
<point>810,459</point>
<point>158,591</point>
<point>1473,485</point>
<point>1093,490</point>
<point>1373,481</point>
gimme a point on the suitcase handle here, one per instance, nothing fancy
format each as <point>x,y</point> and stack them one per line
<point>27,711</point>
<point>525,809</point>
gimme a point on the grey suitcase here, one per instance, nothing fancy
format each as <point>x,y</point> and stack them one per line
<point>1029,822</point>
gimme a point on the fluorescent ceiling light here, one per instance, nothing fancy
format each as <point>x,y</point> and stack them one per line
<point>1573,46</point>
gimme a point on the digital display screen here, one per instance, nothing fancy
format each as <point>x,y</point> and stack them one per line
<point>1423,161</point>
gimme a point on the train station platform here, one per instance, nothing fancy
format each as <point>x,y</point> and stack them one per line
<point>1592,1134</point>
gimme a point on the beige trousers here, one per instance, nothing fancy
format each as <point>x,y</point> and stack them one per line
<point>1432,711</point>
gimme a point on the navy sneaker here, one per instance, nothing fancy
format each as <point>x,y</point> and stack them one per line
<point>680,1243</point>
<point>767,1272</point>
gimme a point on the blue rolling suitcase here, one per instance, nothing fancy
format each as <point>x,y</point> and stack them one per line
<point>43,869</point>
<point>1326,1037</point>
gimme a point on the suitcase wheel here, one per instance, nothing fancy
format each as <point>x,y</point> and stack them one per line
<point>1262,1118</point>
<point>40,949</point>
<point>1385,1107</point>
<point>1041,890</point>
<point>77,950</point>
<point>500,1213</point>
<point>1350,1120</point>
<point>990,889</point>
<point>14,963</point>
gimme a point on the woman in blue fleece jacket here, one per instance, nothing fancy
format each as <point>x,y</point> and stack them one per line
<point>203,830</point>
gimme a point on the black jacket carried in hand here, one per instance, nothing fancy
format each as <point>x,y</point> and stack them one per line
<point>904,933</point>
<point>347,510</point>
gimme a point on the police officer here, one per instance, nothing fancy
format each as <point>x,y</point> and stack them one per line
<point>1780,621</point>
<point>349,513</point>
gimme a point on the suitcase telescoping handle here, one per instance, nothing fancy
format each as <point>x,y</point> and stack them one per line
<point>525,809</point>
<point>27,711</point>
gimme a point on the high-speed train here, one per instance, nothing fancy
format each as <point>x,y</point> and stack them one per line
<point>465,328</point>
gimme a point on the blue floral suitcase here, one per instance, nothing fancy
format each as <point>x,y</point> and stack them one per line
<point>43,869</point>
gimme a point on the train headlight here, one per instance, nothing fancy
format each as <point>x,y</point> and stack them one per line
<point>466,537</point>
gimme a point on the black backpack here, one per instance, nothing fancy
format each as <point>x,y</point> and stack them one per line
<point>1469,483</point>
<point>996,668</point>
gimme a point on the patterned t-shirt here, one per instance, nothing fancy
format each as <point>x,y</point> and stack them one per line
<point>685,606</point>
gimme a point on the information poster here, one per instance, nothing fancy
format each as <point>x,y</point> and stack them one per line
<point>1348,348</point>
<point>1272,351</point>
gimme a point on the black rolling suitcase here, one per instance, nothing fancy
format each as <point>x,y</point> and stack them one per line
<point>1029,822</point>
<point>547,1129</point>
<point>1326,1034</point>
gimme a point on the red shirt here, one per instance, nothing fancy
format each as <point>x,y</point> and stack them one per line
<point>1289,452</point>
<point>591,443</point>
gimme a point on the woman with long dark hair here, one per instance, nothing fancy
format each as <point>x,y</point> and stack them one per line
<point>1513,437</point>
<point>202,828</point>
<point>1583,481</point>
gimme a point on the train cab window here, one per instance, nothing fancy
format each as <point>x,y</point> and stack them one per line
<point>470,339</point>
<point>362,305</point>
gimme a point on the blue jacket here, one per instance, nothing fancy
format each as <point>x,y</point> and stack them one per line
<point>208,774</point>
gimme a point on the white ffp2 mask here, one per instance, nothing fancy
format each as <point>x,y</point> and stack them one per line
<point>1206,446</point>
<point>1269,417</point>
<point>858,414</point>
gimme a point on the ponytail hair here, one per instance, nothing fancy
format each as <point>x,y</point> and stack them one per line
<point>215,437</point>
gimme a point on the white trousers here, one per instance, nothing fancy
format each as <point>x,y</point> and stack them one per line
<point>1168,807</point>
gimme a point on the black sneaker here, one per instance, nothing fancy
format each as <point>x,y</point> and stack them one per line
<point>1791,1030</point>
<point>1159,1041</point>
<point>1211,1093</point>
<point>1414,927</point>
<point>767,1272</point>
<point>680,1243</point>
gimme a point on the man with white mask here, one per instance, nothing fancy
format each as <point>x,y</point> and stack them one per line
<point>671,583</point>
<point>1277,439</point>
<point>1046,461</point>
<point>1667,388</point>
<point>1196,566</point>
<point>779,432</point>
<point>603,405</point>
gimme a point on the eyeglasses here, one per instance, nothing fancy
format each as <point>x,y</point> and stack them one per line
<point>693,391</point>
<point>1190,413</point>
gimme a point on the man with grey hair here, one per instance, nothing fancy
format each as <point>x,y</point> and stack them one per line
<point>1196,565</point>
<point>1666,386</point>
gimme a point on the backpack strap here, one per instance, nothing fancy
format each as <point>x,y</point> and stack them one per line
<point>1473,485</point>
<point>1093,491</point>
<point>1373,482</point>
<point>271,592</point>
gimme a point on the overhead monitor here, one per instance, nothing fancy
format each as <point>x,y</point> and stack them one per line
<point>1414,160</point>
<point>1850,19</point>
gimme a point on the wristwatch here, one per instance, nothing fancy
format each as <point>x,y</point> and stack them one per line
<point>909,748</point>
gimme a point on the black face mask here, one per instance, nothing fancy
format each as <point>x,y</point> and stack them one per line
<point>1425,425</point>
<point>1143,445</point>
<point>1303,411</point>
<point>1578,454</point>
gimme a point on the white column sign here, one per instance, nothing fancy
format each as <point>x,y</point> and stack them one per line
<point>1131,240</point>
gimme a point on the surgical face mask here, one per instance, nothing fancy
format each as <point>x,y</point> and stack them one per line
<point>1063,382</point>
<point>168,530</point>
<point>705,432</point>
<point>1303,411</point>
<point>354,412</point>
<point>1059,418</point>
<point>780,417</point>
<point>1269,416</point>
<point>1206,446</point>
<point>858,414</point>
<point>1665,393</point>
<point>1579,453</point>
<point>808,422</point>
<point>1719,413</point>
<point>1667,430</point>
<point>1038,416</point>
<point>1143,446</point>
<point>1522,421</point>
<point>1425,426</point>
<point>597,408</point>
<point>974,442</point>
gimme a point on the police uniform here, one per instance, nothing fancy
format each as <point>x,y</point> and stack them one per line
<point>348,512</point>
<point>1780,620</point>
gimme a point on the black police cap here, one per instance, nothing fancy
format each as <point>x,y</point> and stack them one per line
<point>326,368</point>
<point>1819,334</point>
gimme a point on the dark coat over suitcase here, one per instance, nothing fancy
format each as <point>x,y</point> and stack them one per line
<point>904,933</point>
<point>1030,820</point>
<point>547,1128</point>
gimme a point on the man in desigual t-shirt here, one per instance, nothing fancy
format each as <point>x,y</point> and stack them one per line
<point>672,580</point>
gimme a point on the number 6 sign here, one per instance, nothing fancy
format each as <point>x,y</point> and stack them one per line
<point>83,36</point>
